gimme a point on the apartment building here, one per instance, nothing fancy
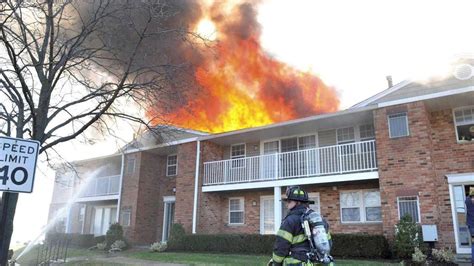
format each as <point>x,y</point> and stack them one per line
<point>407,150</point>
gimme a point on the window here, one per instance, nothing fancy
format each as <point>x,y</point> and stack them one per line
<point>126,217</point>
<point>409,206</point>
<point>345,135</point>
<point>307,142</point>
<point>271,147</point>
<point>464,122</point>
<point>236,211</point>
<point>288,145</point>
<point>316,206</point>
<point>172,165</point>
<point>398,125</point>
<point>237,153</point>
<point>131,166</point>
<point>367,132</point>
<point>360,206</point>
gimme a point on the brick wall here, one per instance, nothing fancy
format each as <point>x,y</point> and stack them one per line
<point>330,208</point>
<point>142,192</point>
<point>449,157</point>
<point>417,165</point>
<point>185,185</point>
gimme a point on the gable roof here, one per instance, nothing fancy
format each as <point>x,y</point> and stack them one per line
<point>410,90</point>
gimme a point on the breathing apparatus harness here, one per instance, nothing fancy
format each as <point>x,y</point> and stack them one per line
<point>315,231</point>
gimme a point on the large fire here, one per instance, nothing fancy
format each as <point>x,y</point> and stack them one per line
<point>242,86</point>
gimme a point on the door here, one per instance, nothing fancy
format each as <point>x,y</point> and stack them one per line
<point>168,218</point>
<point>267,218</point>
<point>462,236</point>
<point>270,160</point>
<point>103,218</point>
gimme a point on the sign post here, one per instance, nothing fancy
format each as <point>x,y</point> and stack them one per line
<point>17,164</point>
<point>17,173</point>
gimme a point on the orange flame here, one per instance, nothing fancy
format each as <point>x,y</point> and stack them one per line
<point>244,87</point>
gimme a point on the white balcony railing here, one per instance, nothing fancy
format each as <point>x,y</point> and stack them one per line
<point>102,186</point>
<point>337,159</point>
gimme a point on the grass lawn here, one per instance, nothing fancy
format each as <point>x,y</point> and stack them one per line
<point>224,259</point>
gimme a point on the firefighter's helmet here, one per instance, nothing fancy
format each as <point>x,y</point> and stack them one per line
<point>297,194</point>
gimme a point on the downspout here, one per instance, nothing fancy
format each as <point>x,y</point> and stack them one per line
<point>120,187</point>
<point>196,185</point>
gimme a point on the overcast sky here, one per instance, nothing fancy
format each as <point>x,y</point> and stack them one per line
<point>352,45</point>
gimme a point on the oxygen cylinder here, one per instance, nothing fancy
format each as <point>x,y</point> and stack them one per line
<point>318,233</point>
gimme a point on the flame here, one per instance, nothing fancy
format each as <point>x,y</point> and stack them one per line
<point>242,86</point>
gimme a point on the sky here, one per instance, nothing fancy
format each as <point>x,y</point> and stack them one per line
<point>351,45</point>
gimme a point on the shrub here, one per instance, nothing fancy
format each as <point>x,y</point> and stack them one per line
<point>177,232</point>
<point>101,246</point>
<point>158,247</point>
<point>359,246</point>
<point>443,255</point>
<point>418,256</point>
<point>117,246</point>
<point>99,239</point>
<point>344,245</point>
<point>114,233</point>
<point>407,237</point>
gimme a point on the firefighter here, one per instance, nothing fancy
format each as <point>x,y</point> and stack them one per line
<point>291,245</point>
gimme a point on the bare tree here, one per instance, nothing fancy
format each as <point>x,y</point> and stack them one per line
<point>61,71</point>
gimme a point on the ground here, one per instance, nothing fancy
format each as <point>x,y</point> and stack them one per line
<point>145,257</point>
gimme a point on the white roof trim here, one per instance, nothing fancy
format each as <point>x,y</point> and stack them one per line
<point>427,96</point>
<point>292,122</point>
<point>382,94</point>
<point>171,143</point>
<point>460,178</point>
<point>294,181</point>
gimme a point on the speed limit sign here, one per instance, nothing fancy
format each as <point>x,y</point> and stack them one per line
<point>17,164</point>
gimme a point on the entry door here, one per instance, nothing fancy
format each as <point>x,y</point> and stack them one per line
<point>267,219</point>
<point>167,220</point>
<point>103,218</point>
<point>463,238</point>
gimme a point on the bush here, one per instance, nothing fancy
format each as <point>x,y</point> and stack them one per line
<point>158,247</point>
<point>443,255</point>
<point>359,246</point>
<point>101,246</point>
<point>177,232</point>
<point>99,239</point>
<point>76,240</point>
<point>114,233</point>
<point>117,246</point>
<point>418,256</point>
<point>407,238</point>
<point>344,245</point>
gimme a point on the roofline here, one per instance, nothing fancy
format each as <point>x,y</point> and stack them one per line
<point>167,144</point>
<point>382,94</point>
<point>291,122</point>
<point>427,96</point>
<point>187,130</point>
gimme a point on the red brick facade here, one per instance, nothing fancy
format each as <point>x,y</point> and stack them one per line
<point>415,165</point>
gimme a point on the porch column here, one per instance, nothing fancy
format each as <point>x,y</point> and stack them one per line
<point>277,207</point>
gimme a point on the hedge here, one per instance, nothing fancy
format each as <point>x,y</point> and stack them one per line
<point>344,245</point>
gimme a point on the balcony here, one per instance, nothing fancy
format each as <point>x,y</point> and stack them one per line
<point>102,186</point>
<point>330,160</point>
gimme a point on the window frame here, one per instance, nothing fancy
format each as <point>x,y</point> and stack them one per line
<point>353,140</point>
<point>171,165</point>
<point>242,203</point>
<point>418,221</point>
<point>234,162</point>
<point>129,220</point>
<point>405,114</point>
<point>366,138</point>
<point>362,211</point>
<point>456,125</point>
<point>131,170</point>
